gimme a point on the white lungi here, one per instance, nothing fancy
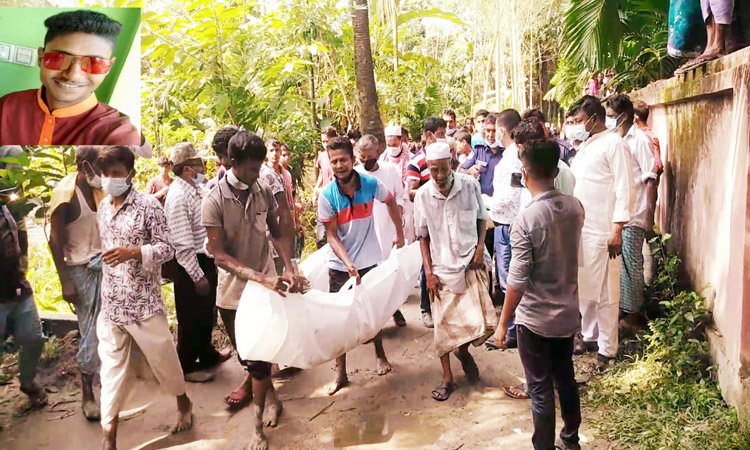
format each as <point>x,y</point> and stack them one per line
<point>116,343</point>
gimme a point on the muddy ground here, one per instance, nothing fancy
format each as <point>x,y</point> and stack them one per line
<point>394,411</point>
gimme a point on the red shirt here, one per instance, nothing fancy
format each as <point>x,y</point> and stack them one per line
<point>658,164</point>
<point>26,120</point>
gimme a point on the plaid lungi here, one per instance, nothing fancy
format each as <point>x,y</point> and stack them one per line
<point>464,318</point>
<point>631,274</point>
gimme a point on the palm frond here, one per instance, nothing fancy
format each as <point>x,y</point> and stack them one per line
<point>593,32</point>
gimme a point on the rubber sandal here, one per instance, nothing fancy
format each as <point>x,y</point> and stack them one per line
<point>443,392</point>
<point>516,392</point>
<point>243,397</point>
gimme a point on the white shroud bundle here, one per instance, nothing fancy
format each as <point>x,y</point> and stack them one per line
<point>305,330</point>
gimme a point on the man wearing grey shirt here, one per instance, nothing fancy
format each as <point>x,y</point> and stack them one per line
<point>542,292</point>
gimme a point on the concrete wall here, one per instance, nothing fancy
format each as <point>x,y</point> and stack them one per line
<point>702,120</point>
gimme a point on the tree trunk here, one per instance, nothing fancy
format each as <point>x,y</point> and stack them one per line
<point>370,120</point>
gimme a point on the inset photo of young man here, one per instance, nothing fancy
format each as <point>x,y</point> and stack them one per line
<point>70,76</point>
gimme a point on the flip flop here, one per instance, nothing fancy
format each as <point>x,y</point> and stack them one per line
<point>695,63</point>
<point>469,367</point>
<point>399,319</point>
<point>516,392</point>
<point>240,397</point>
<point>443,392</point>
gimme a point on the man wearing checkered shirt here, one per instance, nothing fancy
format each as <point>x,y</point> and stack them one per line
<point>196,277</point>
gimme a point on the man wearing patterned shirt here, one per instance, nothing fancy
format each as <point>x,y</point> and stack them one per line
<point>195,280</point>
<point>135,241</point>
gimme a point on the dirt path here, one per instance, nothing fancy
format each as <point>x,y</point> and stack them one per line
<point>390,412</point>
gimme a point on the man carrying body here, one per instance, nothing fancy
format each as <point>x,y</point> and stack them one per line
<point>620,119</point>
<point>237,214</point>
<point>76,250</point>
<point>604,185</point>
<point>76,58</point>
<point>367,152</point>
<point>158,186</point>
<point>346,208</point>
<point>195,280</point>
<point>135,240</point>
<point>542,294</point>
<point>450,223</point>
<point>323,175</point>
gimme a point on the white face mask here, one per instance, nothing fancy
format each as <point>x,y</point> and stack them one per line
<point>441,139</point>
<point>199,178</point>
<point>235,182</point>
<point>611,123</point>
<point>393,151</point>
<point>115,186</point>
<point>95,182</point>
<point>577,131</point>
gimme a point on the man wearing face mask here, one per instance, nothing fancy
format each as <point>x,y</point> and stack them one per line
<point>621,119</point>
<point>367,153</point>
<point>479,135</point>
<point>135,240</point>
<point>195,279</point>
<point>604,185</point>
<point>395,153</point>
<point>76,250</point>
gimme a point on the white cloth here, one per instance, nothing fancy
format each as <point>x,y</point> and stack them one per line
<point>393,130</point>
<point>437,150</point>
<point>451,224</point>
<point>506,199</point>
<point>642,167</point>
<point>116,344</point>
<point>385,230</point>
<point>305,330</point>
<point>599,319</point>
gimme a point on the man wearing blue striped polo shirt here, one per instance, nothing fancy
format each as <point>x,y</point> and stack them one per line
<point>345,208</point>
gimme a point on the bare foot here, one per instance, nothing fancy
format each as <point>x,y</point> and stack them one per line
<point>184,419</point>
<point>258,441</point>
<point>382,366</point>
<point>338,384</point>
<point>91,409</point>
<point>272,413</point>
<point>37,397</point>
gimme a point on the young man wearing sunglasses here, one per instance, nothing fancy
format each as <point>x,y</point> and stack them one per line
<point>76,58</point>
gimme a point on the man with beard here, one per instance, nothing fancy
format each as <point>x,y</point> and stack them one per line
<point>345,207</point>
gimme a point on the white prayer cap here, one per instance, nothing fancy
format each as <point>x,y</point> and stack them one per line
<point>438,150</point>
<point>393,130</point>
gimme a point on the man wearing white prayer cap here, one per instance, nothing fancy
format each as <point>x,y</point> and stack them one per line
<point>449,220</point>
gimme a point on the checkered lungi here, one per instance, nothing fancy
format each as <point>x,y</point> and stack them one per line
<point>631,269</point>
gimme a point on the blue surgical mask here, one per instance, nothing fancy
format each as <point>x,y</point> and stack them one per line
<point>115,186</point>
<point>611,123</point>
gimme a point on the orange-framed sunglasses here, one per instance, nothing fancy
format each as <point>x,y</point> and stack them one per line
<point>89,64</point>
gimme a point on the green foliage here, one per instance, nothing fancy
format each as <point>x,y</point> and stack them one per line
<point>42,276</point>
<point>667,396</point>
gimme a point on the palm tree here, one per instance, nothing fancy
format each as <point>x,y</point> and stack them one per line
<point>370,120</point>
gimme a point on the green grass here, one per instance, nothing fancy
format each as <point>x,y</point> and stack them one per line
<point>665,395</point>
<point>42,275</point>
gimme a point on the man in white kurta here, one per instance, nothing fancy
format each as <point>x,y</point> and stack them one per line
<point>367,150</point>
<point>604,185</point>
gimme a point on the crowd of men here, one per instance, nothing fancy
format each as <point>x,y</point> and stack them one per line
<point>551,228</point>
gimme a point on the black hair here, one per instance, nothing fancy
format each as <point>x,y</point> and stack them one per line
<point>527,130</point>
<point>534,113</point>
<point>491,118</point>
<point>246,145</point>
<point>354,133</point>
<point>432,124</point>
<point>483,113</point>
<point>621,104</point>
<point>449,112</point>
<point>82,21</point>
<point>404,132</point>
<point>341,143</point>
<point>462,135</point>
<point>284,146</point>
<point>86,153</point>
<point>118,154</point>
<point>640,109</point>
<point>508,119</point>
<point>575,109</point>
<point>221,139</point>
<point>592,106</point>
<point>541,157</point>
<point>273,143</point>
<point>329,131</point>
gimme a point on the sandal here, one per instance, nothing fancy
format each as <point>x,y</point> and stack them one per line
<point>469,367</point>
<point>238,399</point>
<point>516,392</point>
<point>443,392</point>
